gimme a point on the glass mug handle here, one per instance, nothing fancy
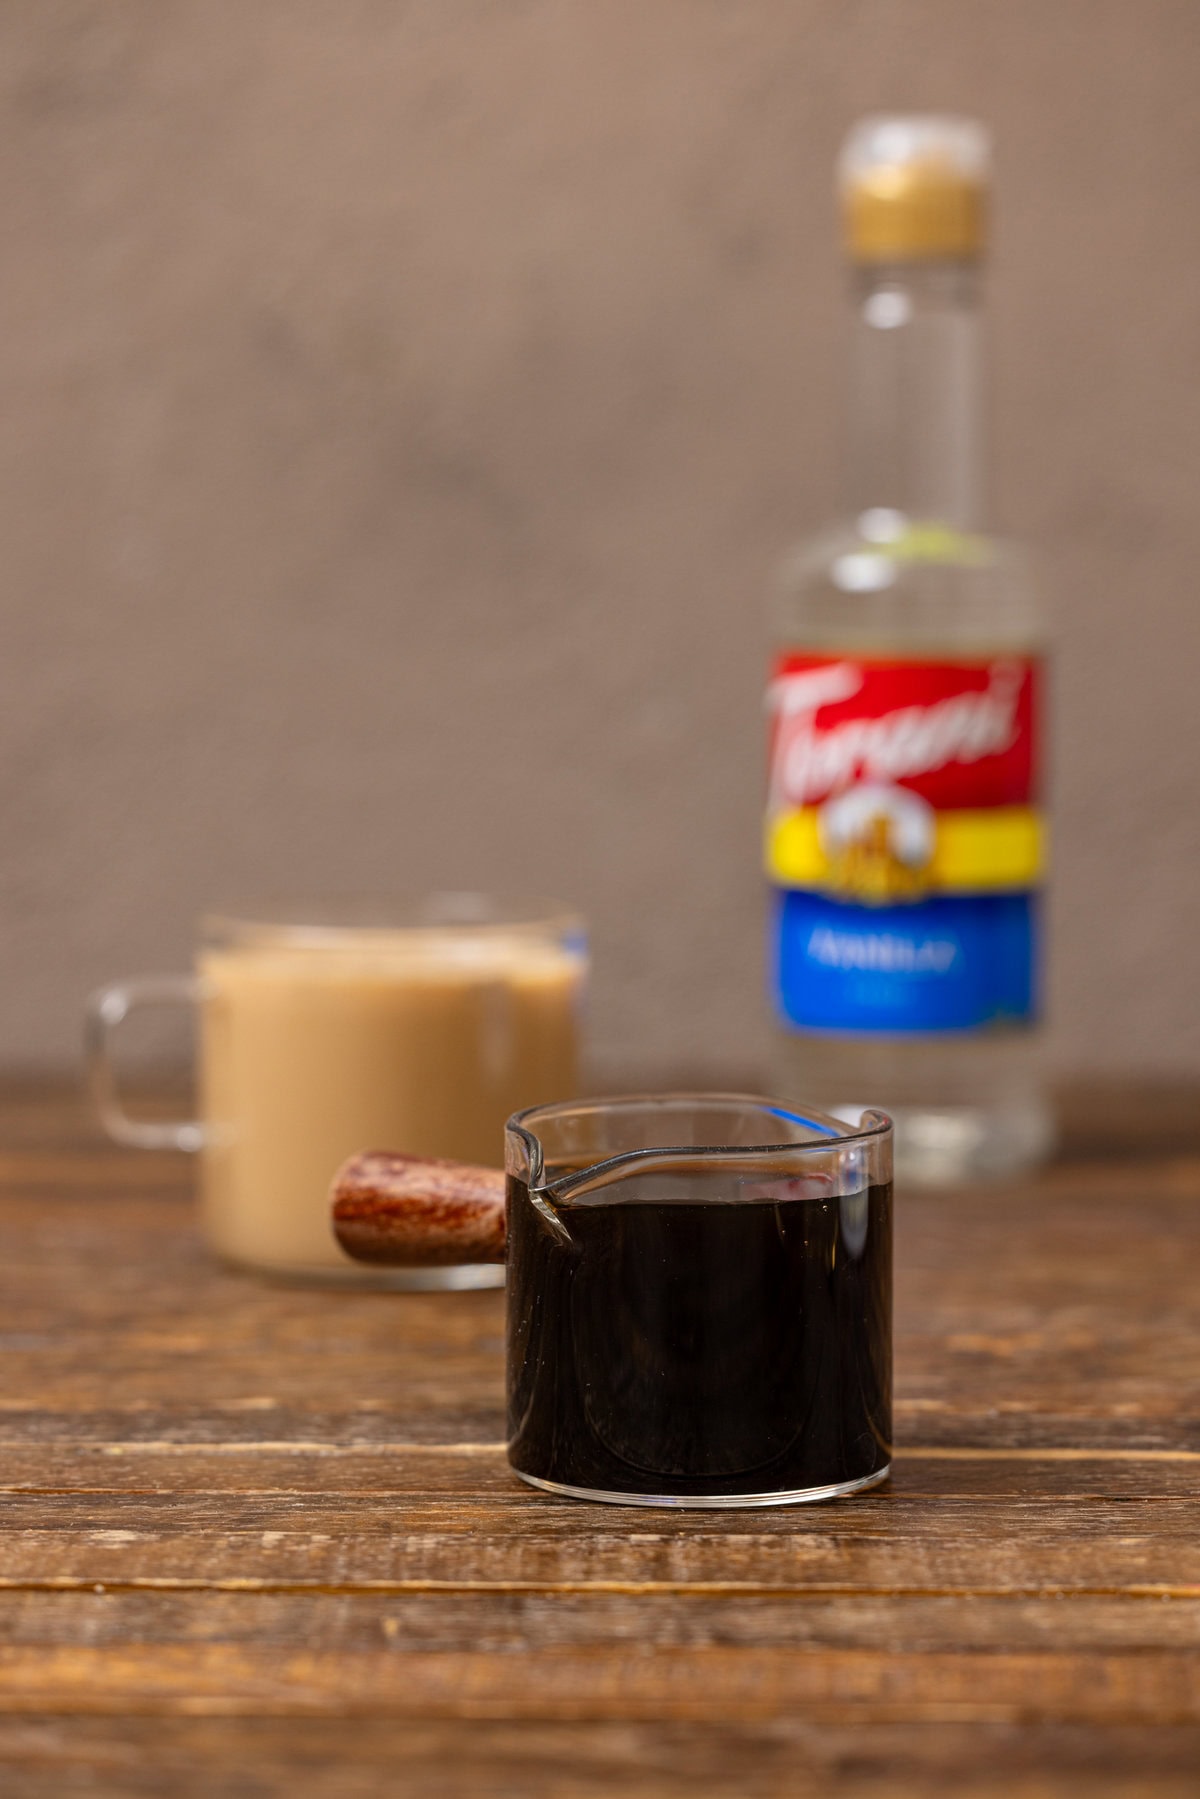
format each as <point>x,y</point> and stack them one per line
<point>107,1010</point>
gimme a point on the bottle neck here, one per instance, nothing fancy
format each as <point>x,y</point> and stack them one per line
<point>916,447</point>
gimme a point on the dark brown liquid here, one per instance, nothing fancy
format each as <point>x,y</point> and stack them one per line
<point>700,1349</point>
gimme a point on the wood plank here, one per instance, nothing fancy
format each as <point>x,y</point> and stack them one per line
<point>350,1624</point>
<point>33,1464</point>
<point>1140,1685</point>
<point>439,1412</point>
<point>436,1413</point>
<point>880,1542</point>
<point>325,1758</point>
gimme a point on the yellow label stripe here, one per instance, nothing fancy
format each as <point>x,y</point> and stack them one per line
<point>991,850</point>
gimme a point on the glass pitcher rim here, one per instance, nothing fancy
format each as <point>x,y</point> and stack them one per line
<point>874,1126</point>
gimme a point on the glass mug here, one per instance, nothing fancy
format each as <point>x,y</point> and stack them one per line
<point>699,1305</point>
<point>325,1029</point>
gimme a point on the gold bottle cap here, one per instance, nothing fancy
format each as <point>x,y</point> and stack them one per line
<point>914,188</point>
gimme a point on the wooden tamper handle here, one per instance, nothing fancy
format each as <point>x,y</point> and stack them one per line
<point>417,1212</point>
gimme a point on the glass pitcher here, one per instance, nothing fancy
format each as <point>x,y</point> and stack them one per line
<point>699,1304</point>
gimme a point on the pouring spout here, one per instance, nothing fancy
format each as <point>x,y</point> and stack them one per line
<point>417,1211</point>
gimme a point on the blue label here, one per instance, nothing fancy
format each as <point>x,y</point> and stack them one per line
<point>949,963</point>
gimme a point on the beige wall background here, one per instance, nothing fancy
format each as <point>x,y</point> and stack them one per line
<point>403,407</point>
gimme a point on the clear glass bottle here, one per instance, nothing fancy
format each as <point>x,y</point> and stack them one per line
<point>905,842</point>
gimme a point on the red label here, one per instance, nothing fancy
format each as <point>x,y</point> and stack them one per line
<point>959,734</point>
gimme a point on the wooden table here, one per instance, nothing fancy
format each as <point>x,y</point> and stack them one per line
<point>259,1541</point>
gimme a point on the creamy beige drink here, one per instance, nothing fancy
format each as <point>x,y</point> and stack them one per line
<point>316,1043</point>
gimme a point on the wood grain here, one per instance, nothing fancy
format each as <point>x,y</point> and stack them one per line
<point>259,1539</point>
<point>193,1757</point>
